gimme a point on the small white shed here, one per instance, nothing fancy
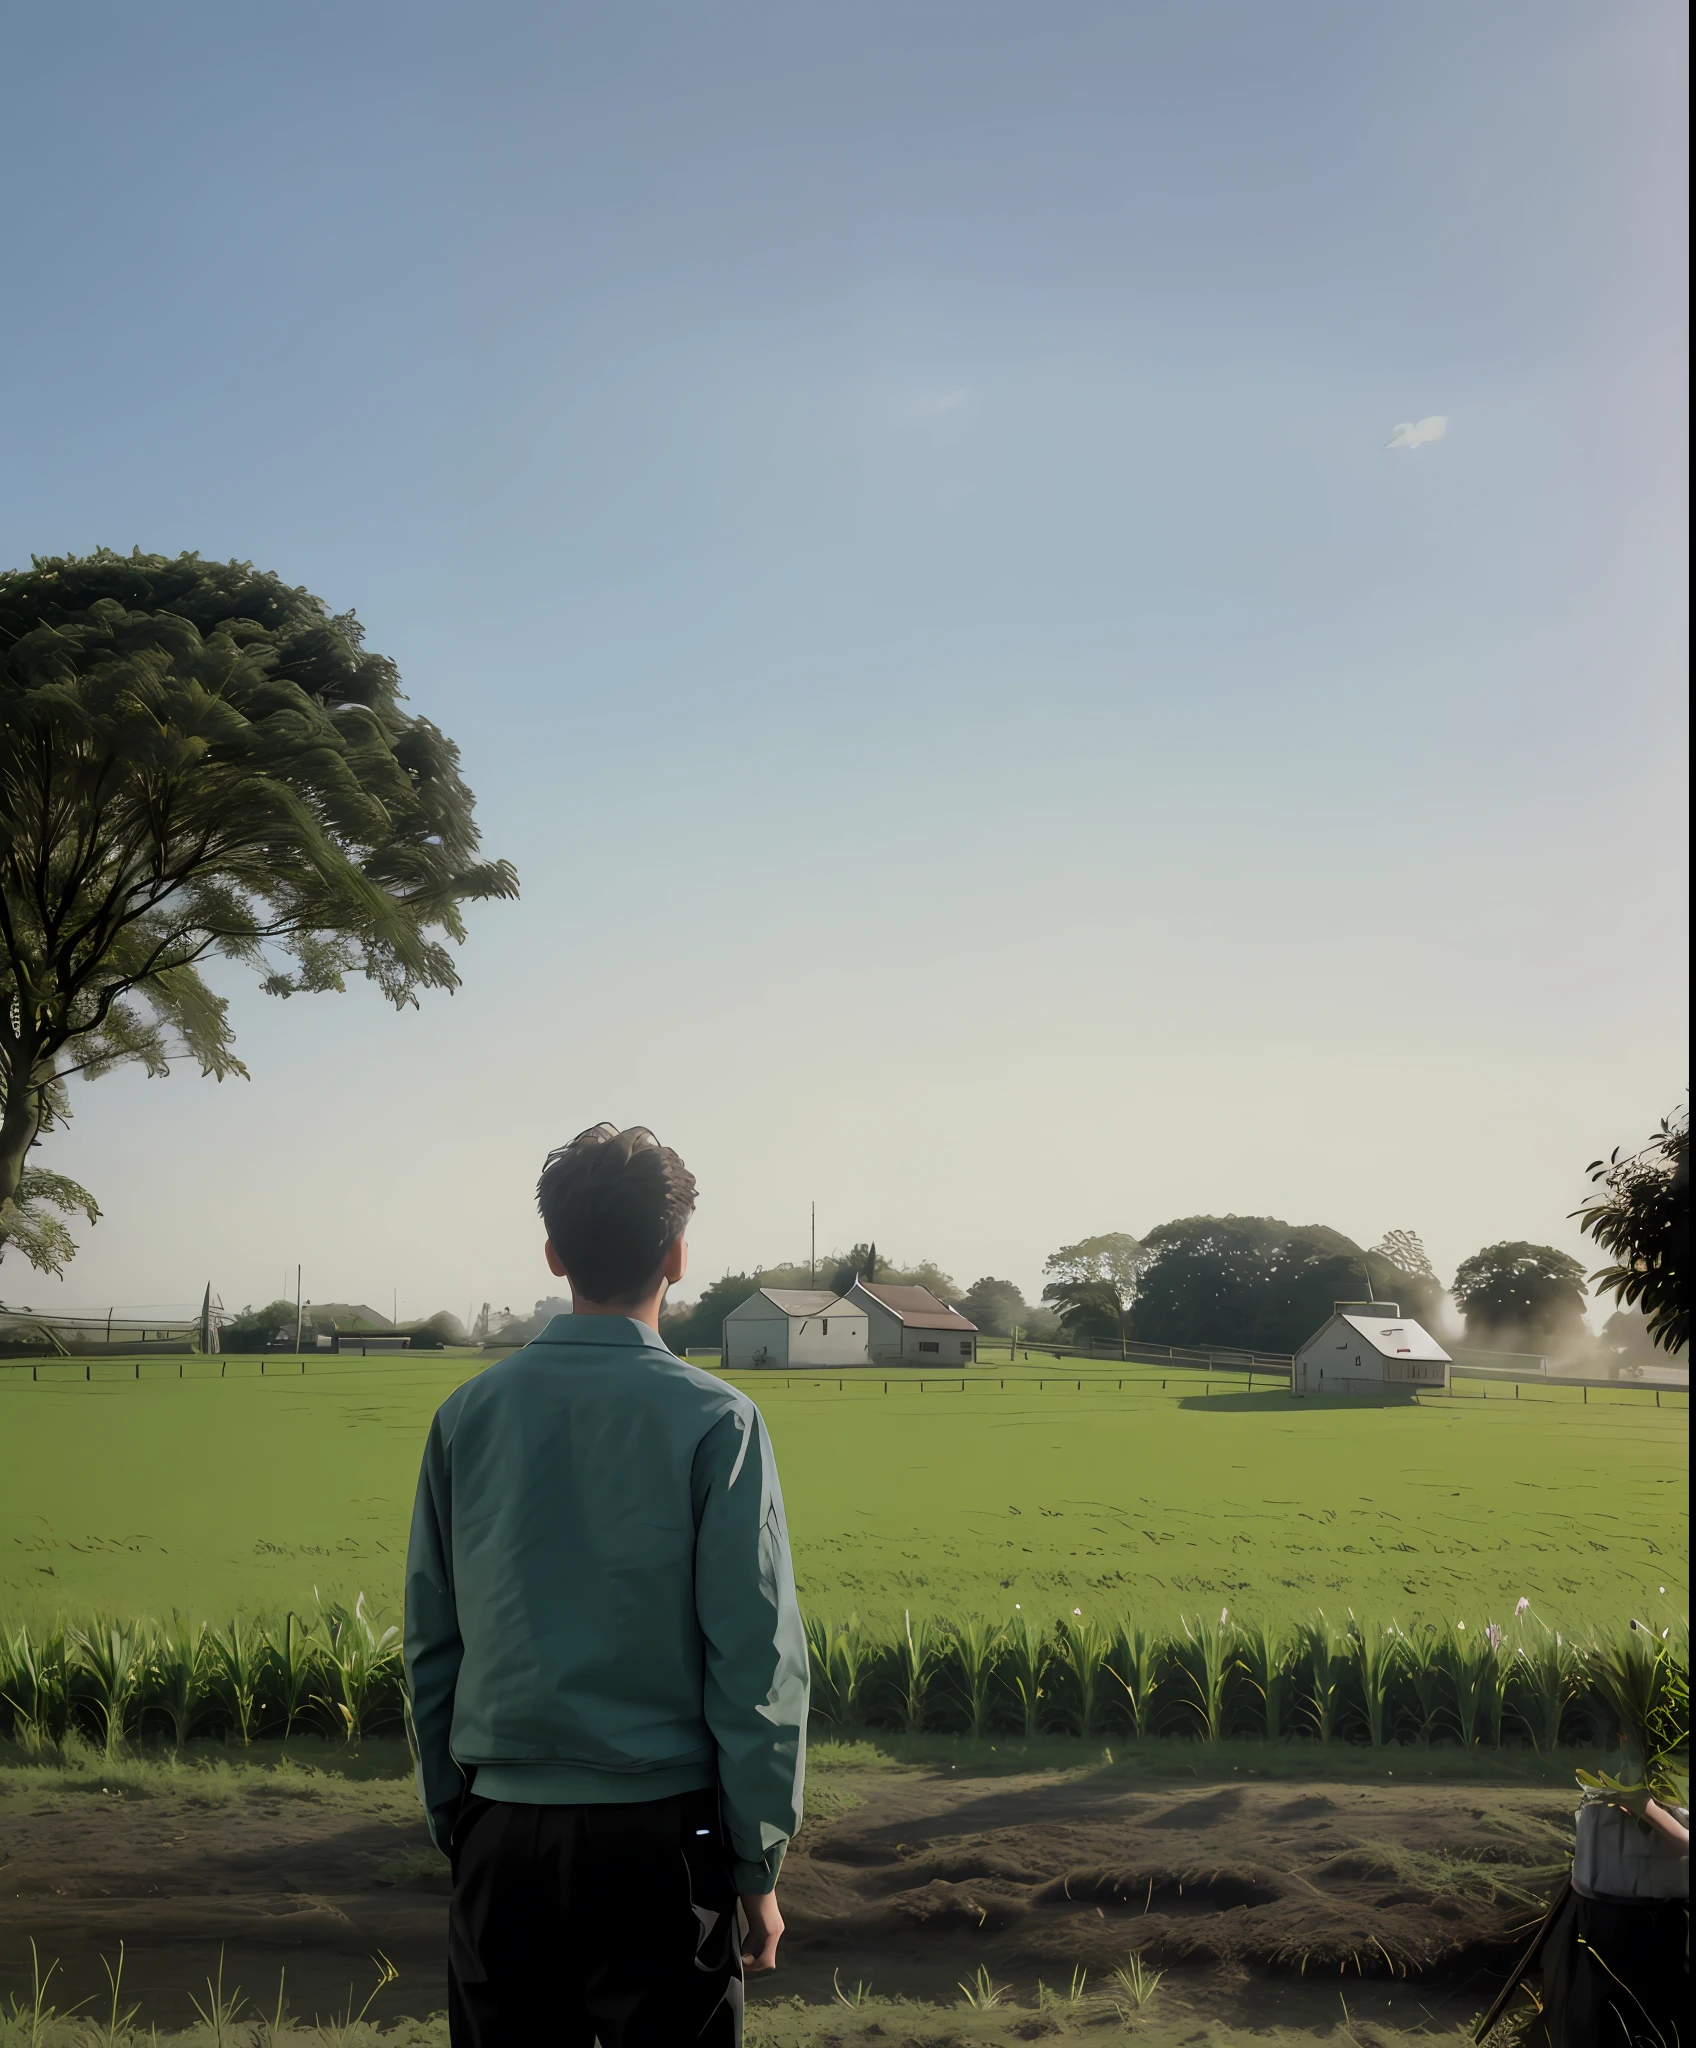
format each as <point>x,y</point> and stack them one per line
<point>909,1326</point>
<point>1370,1341</point>
<point>795,1326</point>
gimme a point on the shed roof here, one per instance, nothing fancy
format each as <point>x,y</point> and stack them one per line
<point>807,1301</point>
<point>917,1307</point>
<point>1401,1338</point>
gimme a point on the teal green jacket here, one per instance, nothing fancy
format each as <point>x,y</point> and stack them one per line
<point>600,1604</point>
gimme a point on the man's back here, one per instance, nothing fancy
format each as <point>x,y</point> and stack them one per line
<point>599,1582</point>
<point>605,1662</point>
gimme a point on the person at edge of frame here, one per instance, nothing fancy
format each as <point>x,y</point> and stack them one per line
<point>606,1669</point>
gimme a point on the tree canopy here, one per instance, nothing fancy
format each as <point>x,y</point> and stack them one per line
<point>996,1306</point>
<point>1642,1216</point>
<point>199,761</point>
<point>1095,1281</point>
<point>1518,1290</point>
<point>1264,1284</point>
<point>863,1261</point>
<point>701,1321</point>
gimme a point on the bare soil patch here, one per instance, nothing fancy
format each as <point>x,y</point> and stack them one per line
<point>1260,1897</point>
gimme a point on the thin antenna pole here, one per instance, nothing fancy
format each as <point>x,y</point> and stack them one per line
<point>813,1256</point>
<point>297,1311</point>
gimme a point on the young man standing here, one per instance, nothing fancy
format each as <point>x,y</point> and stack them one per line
<point>606,1665</point>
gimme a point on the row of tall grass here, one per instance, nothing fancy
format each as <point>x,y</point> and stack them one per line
<point>337,1673</point>
<point>1370,1682</point>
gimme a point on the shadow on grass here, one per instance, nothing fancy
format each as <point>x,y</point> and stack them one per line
<point>1299,1404</point>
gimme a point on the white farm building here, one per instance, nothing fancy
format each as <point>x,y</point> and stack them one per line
<point>795,1326</point>
<point>1370,1341</point>
<point>910,1326</point>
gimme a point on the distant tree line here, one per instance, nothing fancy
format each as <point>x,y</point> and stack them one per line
<point>258,1329</point>
<point>1259,1283</point>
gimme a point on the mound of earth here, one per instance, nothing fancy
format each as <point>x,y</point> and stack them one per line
<point>1040,1875</point>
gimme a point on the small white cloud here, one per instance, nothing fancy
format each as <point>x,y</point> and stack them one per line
<point>1412,433</point>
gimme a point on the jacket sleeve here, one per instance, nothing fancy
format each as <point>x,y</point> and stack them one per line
<point>432,1645</point>
<point>755,1676</point>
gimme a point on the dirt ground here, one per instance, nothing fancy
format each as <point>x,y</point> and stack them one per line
<point>1268,1893</point>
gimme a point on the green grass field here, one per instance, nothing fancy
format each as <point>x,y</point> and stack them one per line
<point>243,1493</point>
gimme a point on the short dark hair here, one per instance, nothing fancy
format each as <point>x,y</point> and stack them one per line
<point>613,1201</point>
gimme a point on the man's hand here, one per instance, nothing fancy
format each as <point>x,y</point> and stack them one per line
<point>765,1930</point>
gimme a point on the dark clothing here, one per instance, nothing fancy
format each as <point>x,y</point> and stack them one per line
<point>1616,1974</point>
<point>613,1922</point>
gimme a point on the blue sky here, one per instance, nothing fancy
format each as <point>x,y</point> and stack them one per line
<point>892,502</point>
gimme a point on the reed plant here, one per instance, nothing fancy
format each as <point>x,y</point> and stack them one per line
<point>1325,1666</point>
<point>296,1657</point>
<point>818,1631</point>
<point>842,1663</point>
<point>35,1687</point>
<point>976,1645</point>
<point>1207,1659</point>
<point>1376,1651</point>
<point>1267,1652</point>
<point>181,1676</point>
<point>1544,1677</point>
<point>1474,1665</point>
<point>360,1656</point>
<point>1626,1677</point>
<point>919,1652</point>
<point>1137,1659</point>
<point>1426,1675</point>
<point>1081,1650</point>
<point>238,1660</point>
<point>112,1664</point>
<point>1026,1661</point>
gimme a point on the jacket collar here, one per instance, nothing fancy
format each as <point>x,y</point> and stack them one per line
<point>623,1331</point>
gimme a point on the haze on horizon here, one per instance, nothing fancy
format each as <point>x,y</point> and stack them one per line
<point>894,505</point>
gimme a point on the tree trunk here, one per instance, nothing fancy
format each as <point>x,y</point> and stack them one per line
<point>20,1126</point>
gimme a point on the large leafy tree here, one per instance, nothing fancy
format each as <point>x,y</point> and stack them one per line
<point>1264,1284</point>
<point>702,1321</point>
<point>1094,1284</point>
<point>996,1306</point>
<point>198,761</point>
<point>1519,1290</point>
<point>1642,1216</point>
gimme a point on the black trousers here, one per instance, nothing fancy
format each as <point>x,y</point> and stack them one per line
<point>1616,1974</point>
<point>572,1925</point>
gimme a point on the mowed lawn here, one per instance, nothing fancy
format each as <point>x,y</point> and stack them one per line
<point>244,1493</point>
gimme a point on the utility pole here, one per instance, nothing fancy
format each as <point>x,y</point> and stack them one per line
<point>297,1311</point>
<point>813,1255</point>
